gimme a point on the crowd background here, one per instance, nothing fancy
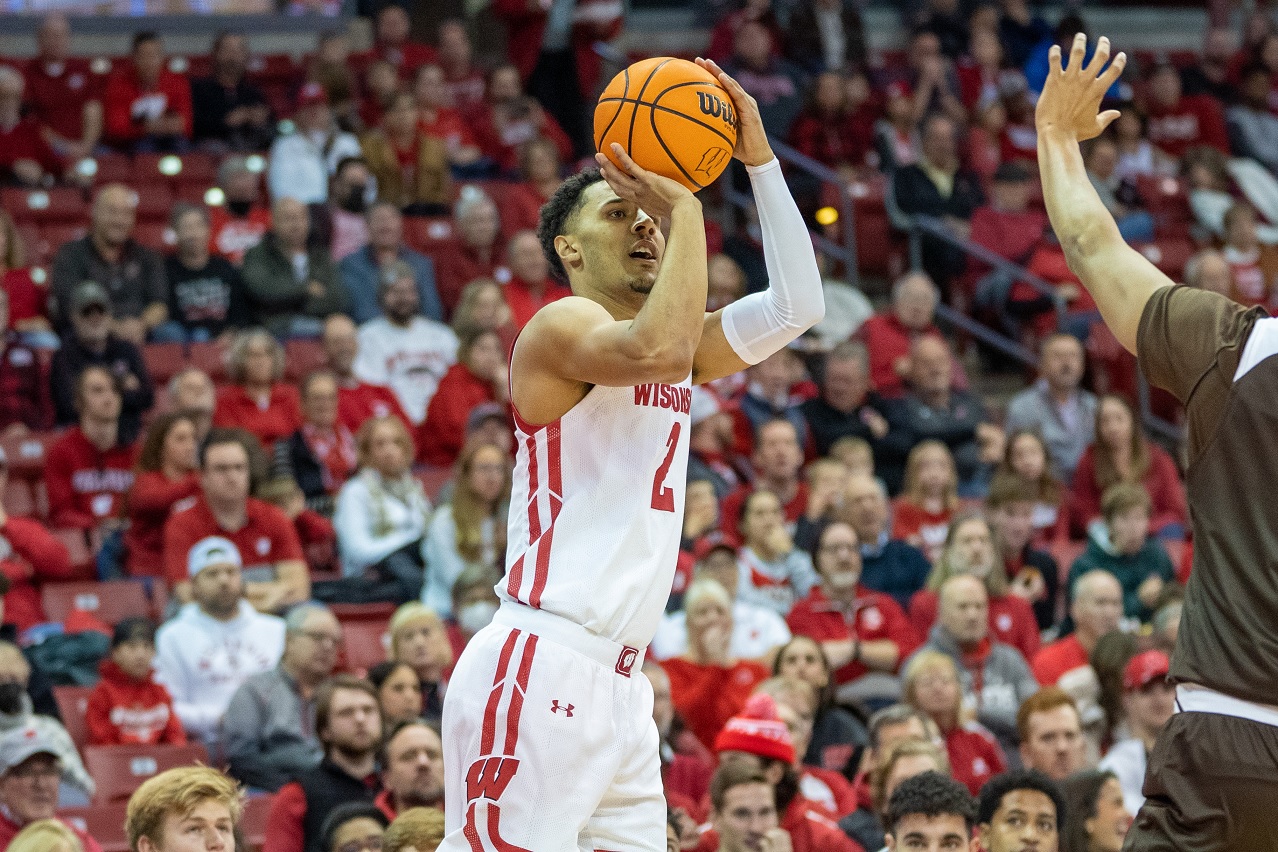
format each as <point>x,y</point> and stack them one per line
<point>255,444</point>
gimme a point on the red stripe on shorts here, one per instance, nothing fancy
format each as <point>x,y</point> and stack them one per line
<point>516,706</point>
<point>494,832</point>
<point>488,735</point>
<point>471,831</point>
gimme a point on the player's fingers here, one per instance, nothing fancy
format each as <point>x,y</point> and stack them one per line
<point>1106,118</point>
<point>1054,66</point>
<point>1077,52</point>
<point>1114,71</point>
<point>1099,58</point>
<point>627,165</point>
<point>710,65</point>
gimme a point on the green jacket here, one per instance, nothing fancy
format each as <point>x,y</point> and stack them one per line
<point>1131,570</point>
<point>275,294</point>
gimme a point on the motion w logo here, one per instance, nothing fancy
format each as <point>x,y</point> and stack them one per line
<point>489,777</point>
<point>711,159</point>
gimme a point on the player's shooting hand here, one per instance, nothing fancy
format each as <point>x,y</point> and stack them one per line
<point>1071,99</point>
<point>655,195</point>
<point>752,140</point>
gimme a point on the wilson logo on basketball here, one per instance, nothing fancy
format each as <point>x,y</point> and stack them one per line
<point>489,777</point>
<point>716,107</point>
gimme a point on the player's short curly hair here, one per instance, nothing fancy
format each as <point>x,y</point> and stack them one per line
<point>930,794</point>
<point>557,213</point>
<point>994,791</point>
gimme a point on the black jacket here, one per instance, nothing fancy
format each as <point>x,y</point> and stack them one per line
<point>325,787</point>
<point>122,359</point>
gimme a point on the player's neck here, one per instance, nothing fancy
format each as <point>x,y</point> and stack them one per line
<point>621,308</point>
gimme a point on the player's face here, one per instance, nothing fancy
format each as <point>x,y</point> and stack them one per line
<point>749,812</point>
<point>1024,822</point>
<point>919,833</point>
<point>620,245</point>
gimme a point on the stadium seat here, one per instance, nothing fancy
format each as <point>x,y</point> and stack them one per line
<point>155,201</point>
<point>118,770</point>
<point>163,361</point>
<point>110,601</point>
<point>19,498</point>
<point>433,480</point>
<point>77,544</point>
<point>157,236</point>
<point>428,233</point>
<point>273,68</point>
<point>302,357</point>
<point>113,168</point>
<point>26,455</point>
<point>56,204</point>
<point>73,703</point>
<point>58,234</point>
<point>104,823</point>
<point>253,820</point>
<point>364,644</point>
<point>350,612</point>
<point>209,357</point>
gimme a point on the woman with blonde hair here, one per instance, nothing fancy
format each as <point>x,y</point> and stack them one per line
<point>969,549</point>
<point>483,305</point>
<point>931,684</point>
<point>1025,459</point>
<point>258,400</point>
<point>419,639</point>
<point>381,517</point>
<point>471,528</point>
<point>415,830</point>
<point>929,498</point>
<point>46,835</point>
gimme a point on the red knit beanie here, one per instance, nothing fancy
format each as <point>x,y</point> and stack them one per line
<point>758,730</point>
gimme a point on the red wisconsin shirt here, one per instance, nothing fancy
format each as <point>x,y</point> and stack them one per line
<point>279,418</point>
<point>730,509</point>
<point>84,483</point>
<point>443,431</point>
<point>456,265</point>
<point>1054,660</point>
<point>268,537</point>
<point>974,756</point>
<point>708,696</point>
<point>23,141</point>
<point>151,500</point>
<point>921,528</point>
<point>873,616</point>
<point>57,92</point>
<point>37,557</point>
<point>125,94</point>
<point>230,236</point>
<point>1011,620</point>
<point>524,302</point>
<point>360,401</point>
<point>25,301</point>
<point>1194,120</point>
<point>448,126</point>
<point>125,711</point>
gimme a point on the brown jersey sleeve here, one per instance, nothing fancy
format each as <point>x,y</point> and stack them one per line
<point>1189,342</point>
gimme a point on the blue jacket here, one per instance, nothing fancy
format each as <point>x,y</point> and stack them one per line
<point>361,277</point>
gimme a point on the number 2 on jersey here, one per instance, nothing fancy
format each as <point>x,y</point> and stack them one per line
<point>662,496</point>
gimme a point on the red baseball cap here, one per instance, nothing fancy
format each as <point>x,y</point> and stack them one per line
<point>1145,668</point>
<point>711,542</point>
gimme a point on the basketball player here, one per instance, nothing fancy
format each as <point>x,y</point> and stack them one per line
<point>1212,779</point>
<point>549,740</point>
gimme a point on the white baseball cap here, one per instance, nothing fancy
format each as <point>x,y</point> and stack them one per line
<point>211,551</point>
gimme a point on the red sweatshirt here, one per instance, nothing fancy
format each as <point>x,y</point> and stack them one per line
<point>360,401</point>
<point>37,556</point>
<point>125,93</point>
<point>281,417</point>
<point>456,265</point>
<point>874,616</point>
<point>974,755</point>
<point>150,502</point>
<point>443,431</point>
<point>1194,120</point>
<point>125,711</point>
<point>1011,620</point>
<point>1162,481</point>
<point>23,141</point>
<point>917,526</point>
<point>85,484</point>
<point>58,91</point>
<point>888,341</point>
<point>707,696</point>
<point>524,302</point>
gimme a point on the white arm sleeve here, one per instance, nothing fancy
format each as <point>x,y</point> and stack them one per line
<point>762,323</point>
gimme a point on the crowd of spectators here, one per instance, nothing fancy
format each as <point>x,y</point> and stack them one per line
<point>887,580</point>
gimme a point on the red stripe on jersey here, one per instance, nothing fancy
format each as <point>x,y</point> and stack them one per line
<point>516,706</point>
<point>488,735</point>
<point>516,578</point>
<point>471,831</point>
<point>553,453</point>
<point>494,832</point>
<point>542,572</point>
<point>534,487</point>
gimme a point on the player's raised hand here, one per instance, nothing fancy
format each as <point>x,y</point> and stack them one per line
<point>655,195</point>
<point>1071,99</point>
<point>752,140</point>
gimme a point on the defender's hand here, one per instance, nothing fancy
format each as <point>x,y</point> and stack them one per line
<point>1071,97</point>
<point>655,195</point>
<point>752,140</point>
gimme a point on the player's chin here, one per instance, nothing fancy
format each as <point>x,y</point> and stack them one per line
<point>643,283</point>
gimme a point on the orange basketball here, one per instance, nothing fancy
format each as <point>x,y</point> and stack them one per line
<point>672,117</point>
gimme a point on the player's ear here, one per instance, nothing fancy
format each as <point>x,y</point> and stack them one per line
<point>568,250</point>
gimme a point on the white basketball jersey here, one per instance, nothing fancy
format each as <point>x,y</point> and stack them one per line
<point>596,510</point>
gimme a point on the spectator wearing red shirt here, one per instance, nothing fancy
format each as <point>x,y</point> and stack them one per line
<point>1096,608</point>
<point>391,43</point>
<point>860,631</point>
<point>708,685</point>
<point>479,376</point>
<point>778,460</point>
<point>356,401</point>
<point>969,549</point>
<point>477,253</point>
<point>439,119</point>
<point>128,707</point>
<point>512,118</point>
<point>530,287</point>
<point>26,305</point>
<point>1121,453</point>
<point>25,399</point>
<point>686,765</point>
<point>34,557</point>
<point>241,220</point>
<point>1007,226</point>
<point>258,401</point>
<point>1253,266</point>
<point>25,157</point>
<point>321,454</point>
<point>89,470</point>
<point>463,79</point>
<point>929,498</point>
<point>275,575</point>
<point>1179,122</point>
<point>889,336</point>
<point>540,173</point>
<point>931,684</point>
<point>166,480</point>
<point>64,94</point>
<point>837,125</point>
<point>148,107</point>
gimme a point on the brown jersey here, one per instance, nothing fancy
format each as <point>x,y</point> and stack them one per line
<point>1217,357</point>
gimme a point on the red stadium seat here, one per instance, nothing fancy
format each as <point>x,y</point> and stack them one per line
<point>350,612</point>
<point>428,233</point>
<point>26,455</point>
<point>273,68</point>
<point>253,820</point>
<point>59,234</point>
<point>157,236</point>
<point>119,770</point>
<point>155,201</point>
<point>302,357</point>
<point>163,361</point>
<point>110,601</point>
<point>209,357</point>
<point>1169,254</point>
<point>56,204</point>
<point>104,823</point>
<point>433,480</point>
<point>73,703</point>
<point>113,168</point>
<point>365,645</point>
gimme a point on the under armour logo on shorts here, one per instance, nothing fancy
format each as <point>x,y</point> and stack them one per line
<point>555,707</point>
<point>626,660</point>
